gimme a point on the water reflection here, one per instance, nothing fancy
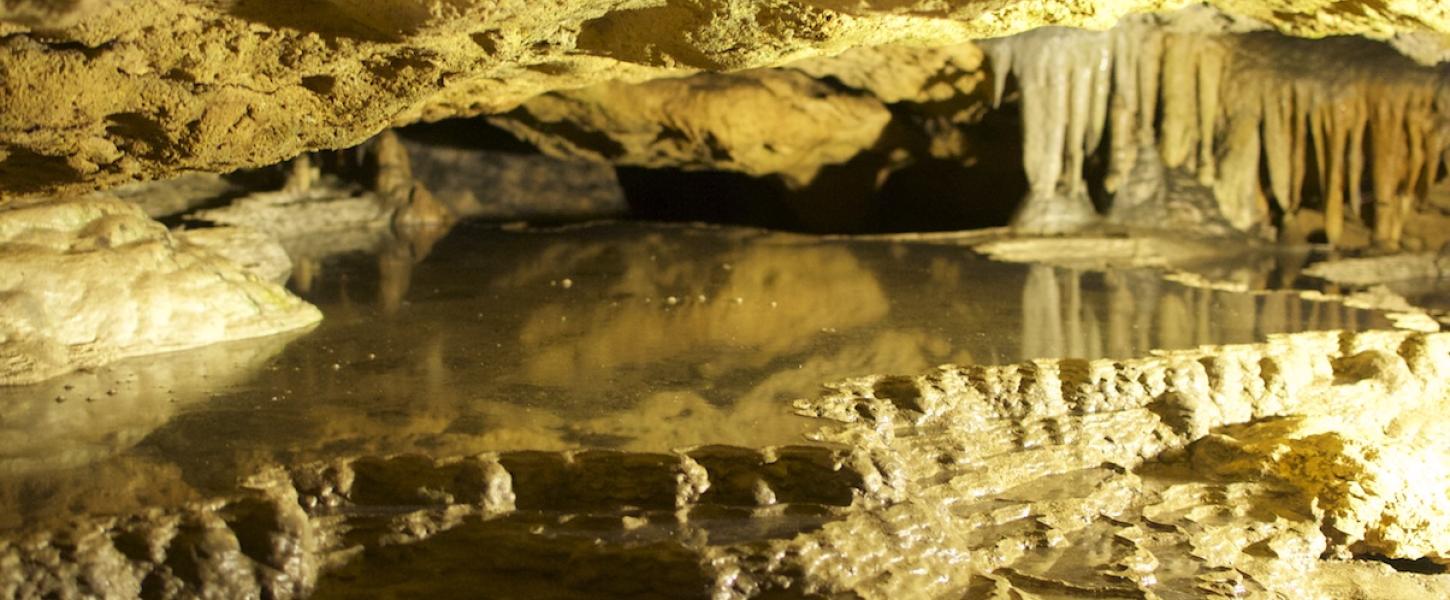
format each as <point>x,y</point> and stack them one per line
<point>622,336</point>
<point>1073,313</point>
<point>71,444</point>
<point>738,310</point>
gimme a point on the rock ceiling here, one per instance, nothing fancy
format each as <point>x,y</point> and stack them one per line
<point>95,93</point>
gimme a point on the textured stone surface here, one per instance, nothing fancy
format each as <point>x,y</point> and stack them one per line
<point>759,123</point>
<point>1033,476</point>
<point>1223,472</point>
<point>90,281</point>
<point>149,89</point>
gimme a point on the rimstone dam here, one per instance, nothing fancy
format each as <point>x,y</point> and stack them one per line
<point>725,299</point>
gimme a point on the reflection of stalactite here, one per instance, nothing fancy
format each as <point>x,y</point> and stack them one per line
<point>1057,321</point>
<point>1225,108</point>
<point>407,247</point>
<point>1138,312</point>
<point>1133,299</point>
<point>1174,326</point>
<point>1041,314</point>
<point>305,273</point>
<point>395,276</point>
<point>1235,315</point>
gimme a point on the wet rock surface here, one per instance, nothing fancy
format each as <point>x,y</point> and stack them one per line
<point>94,280</point>
<point>1159,404</point>
<point>455,434</point>
<point>1031,477</point>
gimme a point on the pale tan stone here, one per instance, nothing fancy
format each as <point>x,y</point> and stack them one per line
<point>89,281</point>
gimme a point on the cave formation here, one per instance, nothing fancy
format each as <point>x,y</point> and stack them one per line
<point>726,299</point>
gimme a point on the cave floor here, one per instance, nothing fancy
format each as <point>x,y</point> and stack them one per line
<point>608,370</point>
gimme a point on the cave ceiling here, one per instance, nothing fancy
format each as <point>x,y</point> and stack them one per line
<point>95,93</point>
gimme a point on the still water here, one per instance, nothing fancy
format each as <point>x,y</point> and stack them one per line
<point>622,336</point>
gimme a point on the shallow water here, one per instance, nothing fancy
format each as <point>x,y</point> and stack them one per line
<point>618,336</point>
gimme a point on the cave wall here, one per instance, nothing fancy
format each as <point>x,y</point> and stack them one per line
<point>94,93</point>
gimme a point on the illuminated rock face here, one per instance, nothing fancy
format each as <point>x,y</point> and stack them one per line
<point>151,89</point>
<point>1221,472</point>
<point>1332,116</point>
<point>1043,474</point>
<point>90,281</point>
<point>548,402</point>
<point>760,123</point>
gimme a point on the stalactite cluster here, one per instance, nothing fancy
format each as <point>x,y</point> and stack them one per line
<point>1271,125</point>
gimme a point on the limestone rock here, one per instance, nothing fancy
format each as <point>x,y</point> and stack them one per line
<point>1222,474</point>
<point>327,207</point>
<point>252,250</point>
<point>169,197</point>
<point>758,123</point>
<point>512,187</point>
<point>903,73</point>
<point>151,89</point>
<point>90,281</point>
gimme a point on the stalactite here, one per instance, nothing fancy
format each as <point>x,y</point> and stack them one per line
<point>1125,107</point>
<point>1180,100</point>
<point>1254,117</point>
<point>1237,185</point>
<point>1333,121</point>
<point>1359,120</point>
<point>1418,114</point>
<point>1150,69</point>
<point>1279,144</point>
<point>1357,107</point>
<point>1042,334</point>
<point>1063,75</point>
<point>1211,64</point>
<point>1387,165</point>
<point>1102,84</point>
<point>1299,141</point>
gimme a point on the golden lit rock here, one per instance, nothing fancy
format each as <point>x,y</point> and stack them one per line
<point>577,345</point>
<point>161,87</point>
<point>90,281</point>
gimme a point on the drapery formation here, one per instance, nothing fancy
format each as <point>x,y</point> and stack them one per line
<point>1271,125</point>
